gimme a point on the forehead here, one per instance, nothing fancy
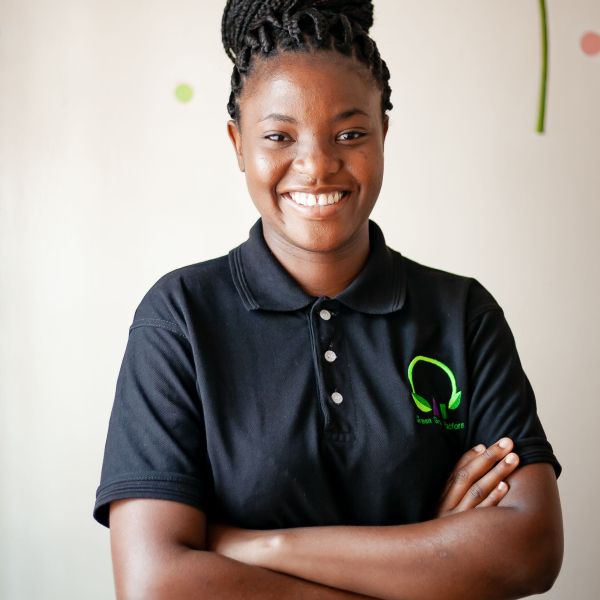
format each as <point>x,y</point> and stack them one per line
<point>316,83</point>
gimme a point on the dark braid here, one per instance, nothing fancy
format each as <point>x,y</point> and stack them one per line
<point>266,27</point>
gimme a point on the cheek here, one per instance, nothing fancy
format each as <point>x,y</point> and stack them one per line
<point>263,176</point>
<point>264,170</point>
<point>368,168</point>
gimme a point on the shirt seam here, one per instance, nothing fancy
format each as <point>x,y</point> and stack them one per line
<point>483,310</point>
<point>151,476</point>
<point>398,281</point>
<point>160,324</point>
<point>145,487</point>
<point>137,480</point>
<point>239,279</point>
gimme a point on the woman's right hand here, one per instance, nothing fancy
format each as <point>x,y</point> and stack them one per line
<point>479,478</point>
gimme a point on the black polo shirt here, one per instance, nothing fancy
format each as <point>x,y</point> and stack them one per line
<point>266,407</point>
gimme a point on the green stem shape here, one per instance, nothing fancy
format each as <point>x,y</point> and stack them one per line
<point>544,78</point>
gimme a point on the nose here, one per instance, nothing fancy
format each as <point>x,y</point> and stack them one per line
<point>317,159</point>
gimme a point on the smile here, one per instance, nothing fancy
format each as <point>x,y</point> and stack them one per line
<point>306,199</point>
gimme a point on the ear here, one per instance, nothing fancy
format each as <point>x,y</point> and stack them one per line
<point>233,131</point>
<point>386,124</point>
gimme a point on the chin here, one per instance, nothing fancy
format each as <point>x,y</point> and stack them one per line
<point>320,236</point>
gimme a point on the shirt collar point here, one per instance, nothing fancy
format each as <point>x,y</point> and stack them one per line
<point>263,284</point>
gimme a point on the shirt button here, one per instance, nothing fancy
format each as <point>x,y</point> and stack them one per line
<point>325,315</point>
<point>330,356</point>
<point>337,397</point>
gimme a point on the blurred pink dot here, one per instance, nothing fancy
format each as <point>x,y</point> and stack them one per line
<point>590,43</point>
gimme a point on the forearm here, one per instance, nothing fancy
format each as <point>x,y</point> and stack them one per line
<point>190,574</point>
<point>493,553</point>
<point>466,556</point>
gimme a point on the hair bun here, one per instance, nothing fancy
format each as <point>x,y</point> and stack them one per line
<point>359,11</point>
<point>240,15</point>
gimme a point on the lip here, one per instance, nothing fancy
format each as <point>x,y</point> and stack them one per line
<point>317,212</point>
<point>315,191</point>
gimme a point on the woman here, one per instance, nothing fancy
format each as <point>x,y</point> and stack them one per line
<point>294,419</point>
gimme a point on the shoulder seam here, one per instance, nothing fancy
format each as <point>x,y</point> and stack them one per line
<point>484,309</point>
<point>161,324</point>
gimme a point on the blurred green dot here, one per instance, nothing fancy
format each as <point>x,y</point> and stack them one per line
<point>184,92</point>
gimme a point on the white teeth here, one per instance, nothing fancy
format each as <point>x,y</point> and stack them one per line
<point>313,200</point>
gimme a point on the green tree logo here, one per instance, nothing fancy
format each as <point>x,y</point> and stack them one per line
<point>423,404</point>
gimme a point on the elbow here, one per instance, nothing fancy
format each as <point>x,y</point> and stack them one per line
<point>541,562</point>
<point>139,585</point>
<point>138,577</point>
<point>150,578</point>
<point>547,573</point>
<point>151,588</point>
<point>540,582</point>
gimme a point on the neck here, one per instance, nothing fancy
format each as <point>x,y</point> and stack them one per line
<point>322,273</point>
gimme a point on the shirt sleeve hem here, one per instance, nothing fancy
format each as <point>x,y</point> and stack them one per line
<point>533,451</point>
<point>177,487</point>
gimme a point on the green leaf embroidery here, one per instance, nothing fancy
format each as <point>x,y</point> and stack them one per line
<point>455,400</point>
<point>421,402</point>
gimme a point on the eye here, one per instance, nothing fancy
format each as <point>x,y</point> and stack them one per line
<point>350,136</point>
<point>277,137</point>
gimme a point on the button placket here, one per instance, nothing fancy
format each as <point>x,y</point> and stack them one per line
<point>330,368</point>
<point>330,356</point>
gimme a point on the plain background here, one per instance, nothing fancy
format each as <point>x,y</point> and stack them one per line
<point>107,182</point>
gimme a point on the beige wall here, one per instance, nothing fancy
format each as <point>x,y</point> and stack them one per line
<point>107,182</point>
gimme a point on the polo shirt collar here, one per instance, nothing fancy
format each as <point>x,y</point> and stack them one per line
<point>263,283</point>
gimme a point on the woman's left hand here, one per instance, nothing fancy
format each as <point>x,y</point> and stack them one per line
<point>479,478</point>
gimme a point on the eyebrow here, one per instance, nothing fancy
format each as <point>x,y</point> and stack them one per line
<point>349,113</point>
<point>278,117</point>
<point>339,117</point>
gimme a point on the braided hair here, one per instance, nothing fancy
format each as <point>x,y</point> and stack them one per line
<point>264,28</point>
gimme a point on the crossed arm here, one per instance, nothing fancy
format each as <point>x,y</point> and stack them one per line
<point>488,542</point>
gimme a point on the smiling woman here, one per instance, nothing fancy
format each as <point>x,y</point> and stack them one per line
<point>314,163</point>
<point>315,415</point>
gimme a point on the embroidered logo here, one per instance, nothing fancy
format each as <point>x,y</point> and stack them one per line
<point>438,409</point>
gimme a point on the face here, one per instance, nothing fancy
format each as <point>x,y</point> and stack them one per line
<point>310,142</point>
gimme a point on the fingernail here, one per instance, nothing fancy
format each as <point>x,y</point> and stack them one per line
<point>479,448</point>
<point>511,459</point>
<point>502,486</point>
<point>504,443</point>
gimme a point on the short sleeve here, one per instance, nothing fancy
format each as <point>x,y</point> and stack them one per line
<point>502,401</point>
<point>156,441</point>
